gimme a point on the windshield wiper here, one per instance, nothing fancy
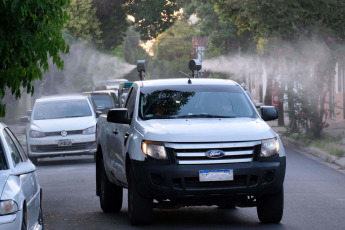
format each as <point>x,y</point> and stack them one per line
<point>204,116</point>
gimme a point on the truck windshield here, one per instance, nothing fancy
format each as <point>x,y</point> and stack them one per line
<point>194,101</point>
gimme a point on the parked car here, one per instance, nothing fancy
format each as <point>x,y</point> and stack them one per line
<point>103,100</point>
<point>61,125</point>
<point>21,196</point>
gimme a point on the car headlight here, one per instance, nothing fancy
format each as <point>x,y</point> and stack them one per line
<point>90,130</point>
<point>269,147</point>
<point>154,149</point>
<point>8,207</point>
<point>36,134</point>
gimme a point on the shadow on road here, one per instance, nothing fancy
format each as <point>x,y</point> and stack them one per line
<point>56,161</point>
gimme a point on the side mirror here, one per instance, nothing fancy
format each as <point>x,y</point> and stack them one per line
<point>258,105</point>
<point>24,119</point>
<point>269,113</point>
<point>98,113</point>
<point>24,168</point>
<point>118,115</point>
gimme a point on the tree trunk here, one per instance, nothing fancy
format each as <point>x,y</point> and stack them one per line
<point>268,95</point>
<point>281,121</point>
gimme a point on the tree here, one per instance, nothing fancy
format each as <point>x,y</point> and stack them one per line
<point>112,15</point>
<point>153,17</point>
<point>30,32</point>
<point>222,35</point>
<point>274,23</point>
<point>83,23</point>
<point>172,50</point>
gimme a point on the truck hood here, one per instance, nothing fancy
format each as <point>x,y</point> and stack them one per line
<point>205,130</point>
<point>74,123</point>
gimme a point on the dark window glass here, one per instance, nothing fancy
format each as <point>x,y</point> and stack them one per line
<point>15,155</point>
<point>103,100</point>
<point>3,162</point>
<point>194,101</point>
<point>131,102</point>
<point>62,109</point>
<point>19,146</point>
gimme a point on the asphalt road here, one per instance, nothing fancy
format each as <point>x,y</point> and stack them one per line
<point>314,199</point>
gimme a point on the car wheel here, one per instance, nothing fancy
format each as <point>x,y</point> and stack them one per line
<point>110,195</point>
<point>140,209</point>
<point>40,217</point>
<point>227,206</point>
<point>24,221</point>
<point>270,207</point>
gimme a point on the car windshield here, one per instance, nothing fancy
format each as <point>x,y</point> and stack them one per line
<point>194,101</point>
<point>102,100</point>
<point>62,109</point>
<point>3,162</point>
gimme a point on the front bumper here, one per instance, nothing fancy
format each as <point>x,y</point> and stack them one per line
<point>11,222</point>
<point>48,146</point>
<point>163,180</point>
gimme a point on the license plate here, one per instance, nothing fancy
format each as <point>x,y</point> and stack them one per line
<point>216,175</point>
<point>64,143</point>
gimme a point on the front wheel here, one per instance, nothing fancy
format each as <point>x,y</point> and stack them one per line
<point>140,209</point>
<point>24,220</point>
<point>270,208</point>
<point>110,195</point>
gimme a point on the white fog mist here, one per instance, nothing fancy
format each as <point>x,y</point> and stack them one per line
<point>286,62</point>
<point>84,66</point>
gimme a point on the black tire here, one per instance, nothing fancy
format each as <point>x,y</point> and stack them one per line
<point>140,209</point>
<point>110,197</point>
<point>24,220</point>
<point>40,218</point>
<point>227,206</point>
<point>271,207</point>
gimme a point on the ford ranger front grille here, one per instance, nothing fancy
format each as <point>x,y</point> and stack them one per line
<point>196,153</point>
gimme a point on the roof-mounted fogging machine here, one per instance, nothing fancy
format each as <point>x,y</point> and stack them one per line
<point>141,67</point>
<point>194,65</point>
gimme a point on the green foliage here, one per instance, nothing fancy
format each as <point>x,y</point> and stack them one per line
<point>30,33</point>
<point>153,17</point>
<point>112,15</point>
<point>288,20</point>
<point>274,22</point>
<point>328,143</point>
<point>175,43</point>
<point>171,51</point>
<point>83,23</point>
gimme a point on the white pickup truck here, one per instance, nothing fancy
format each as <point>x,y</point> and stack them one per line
<point>187,142</point>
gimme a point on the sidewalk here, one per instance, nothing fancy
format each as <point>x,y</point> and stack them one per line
<point>333,128</point>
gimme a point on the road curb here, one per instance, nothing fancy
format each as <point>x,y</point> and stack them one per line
<point>314,151</point>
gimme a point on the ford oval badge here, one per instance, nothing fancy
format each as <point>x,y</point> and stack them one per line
<point>214,153</point>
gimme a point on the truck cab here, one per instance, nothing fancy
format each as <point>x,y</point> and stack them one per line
<point>186,142</point>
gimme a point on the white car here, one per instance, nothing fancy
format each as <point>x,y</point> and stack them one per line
<point>61,125</point>
<point>21,194</point>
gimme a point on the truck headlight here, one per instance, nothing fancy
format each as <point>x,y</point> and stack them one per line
<point>8,207</point>
<point>154,149</point>
<point>37,134</point>
<point>269,147</point>
<point>90,130</point>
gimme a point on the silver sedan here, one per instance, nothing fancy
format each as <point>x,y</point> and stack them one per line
<point>20,192</point>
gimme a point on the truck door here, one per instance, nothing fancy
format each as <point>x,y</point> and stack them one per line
<point>121,134</point>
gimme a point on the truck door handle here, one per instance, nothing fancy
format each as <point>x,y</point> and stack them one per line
<point>126,138</point>
<point>115,132</point>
